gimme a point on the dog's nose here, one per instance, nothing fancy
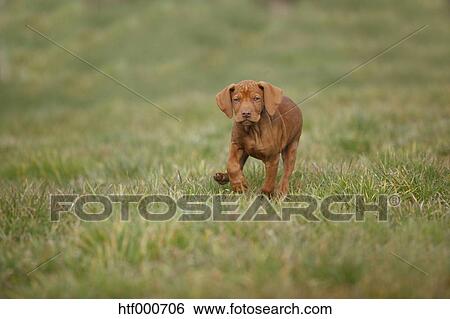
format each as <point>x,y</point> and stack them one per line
<point>246,114</point>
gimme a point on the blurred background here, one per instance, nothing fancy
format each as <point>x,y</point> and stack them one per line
<point>65,127</point>
<point>180,54</point>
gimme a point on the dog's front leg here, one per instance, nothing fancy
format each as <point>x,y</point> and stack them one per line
<point>236,158</point>
<point>271,176</point>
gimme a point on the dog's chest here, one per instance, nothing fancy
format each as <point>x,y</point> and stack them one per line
<point>258,145</point>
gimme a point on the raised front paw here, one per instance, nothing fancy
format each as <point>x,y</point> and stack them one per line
<point>221,178</point>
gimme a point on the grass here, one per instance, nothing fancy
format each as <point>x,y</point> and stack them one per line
<point>65,128</point>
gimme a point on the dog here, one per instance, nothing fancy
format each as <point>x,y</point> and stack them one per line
<point>265,125</point>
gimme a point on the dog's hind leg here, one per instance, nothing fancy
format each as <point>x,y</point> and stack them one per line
<point>289,155</point>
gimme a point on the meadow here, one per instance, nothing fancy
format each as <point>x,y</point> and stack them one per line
<point>66,128</point>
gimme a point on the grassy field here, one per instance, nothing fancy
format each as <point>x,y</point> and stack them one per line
<point>65,128</point>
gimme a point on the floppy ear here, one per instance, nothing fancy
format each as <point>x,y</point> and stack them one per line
<point>272,96</point>
<point>223,99</point>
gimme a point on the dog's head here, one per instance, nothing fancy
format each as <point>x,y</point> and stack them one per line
<point>247,99</point>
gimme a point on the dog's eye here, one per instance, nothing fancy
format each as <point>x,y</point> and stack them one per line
<point>236,99</point>
<point>256,98</point>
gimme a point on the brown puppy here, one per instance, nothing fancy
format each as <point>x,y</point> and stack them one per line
<point>266,124</point>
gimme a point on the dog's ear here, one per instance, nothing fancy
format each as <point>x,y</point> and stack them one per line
<point>223,99</point>
<point>272,96</point>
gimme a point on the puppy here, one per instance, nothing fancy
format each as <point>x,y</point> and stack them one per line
<point>265,125</point>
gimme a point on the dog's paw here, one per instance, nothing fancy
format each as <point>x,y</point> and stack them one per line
<point>269,193</point>
<point>239,187</point>
<point>221,178</point>
<point>282,192</point>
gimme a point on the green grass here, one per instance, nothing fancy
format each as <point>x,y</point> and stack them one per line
<point>66,128</point>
